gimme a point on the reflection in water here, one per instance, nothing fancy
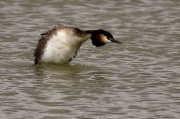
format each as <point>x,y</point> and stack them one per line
<point>56,73</point>
<point>139,79</point>
<point>67,74</point>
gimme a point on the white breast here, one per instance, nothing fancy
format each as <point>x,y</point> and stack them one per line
<point>61,47</point>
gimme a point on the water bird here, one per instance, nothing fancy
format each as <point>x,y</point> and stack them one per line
<point>61,43</point>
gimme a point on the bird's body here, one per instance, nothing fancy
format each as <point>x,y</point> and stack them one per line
<point>61,44</point>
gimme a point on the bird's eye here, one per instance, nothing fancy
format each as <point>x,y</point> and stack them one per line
<point>109,38</point>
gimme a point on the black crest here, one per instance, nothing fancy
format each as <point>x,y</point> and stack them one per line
<point>97,35</point>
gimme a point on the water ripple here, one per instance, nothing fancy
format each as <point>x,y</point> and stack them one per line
<point>137,79</point>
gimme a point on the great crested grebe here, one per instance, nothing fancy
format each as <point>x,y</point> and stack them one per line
<point>61,44</point>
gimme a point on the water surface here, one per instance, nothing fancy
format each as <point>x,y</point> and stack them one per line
<point>138,79</point>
